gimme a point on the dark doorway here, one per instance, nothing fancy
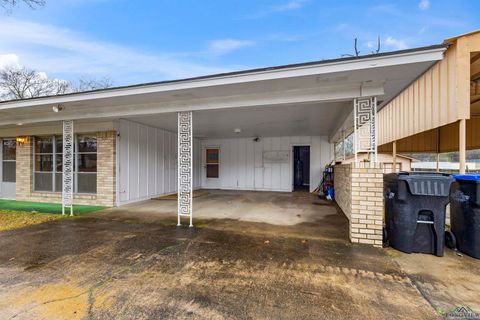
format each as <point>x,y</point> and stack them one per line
<point>301,168</point>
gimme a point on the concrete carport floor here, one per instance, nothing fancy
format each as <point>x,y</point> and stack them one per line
<point>275,208</point>
<point>125,263</point>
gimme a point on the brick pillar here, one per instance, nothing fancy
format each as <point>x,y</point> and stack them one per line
<point>24,169</point>
<point>367,203</point>
<point>106,168</point>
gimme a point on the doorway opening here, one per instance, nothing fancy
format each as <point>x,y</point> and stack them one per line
<point>301,168</point>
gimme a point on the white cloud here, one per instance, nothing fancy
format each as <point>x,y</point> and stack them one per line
<point>224,46</point>
<point>292,5</point>
<point>64,52</point>
<point>396,44</point>
<point>424,4</point>
<point>288,6</point>
<point>9,60</point>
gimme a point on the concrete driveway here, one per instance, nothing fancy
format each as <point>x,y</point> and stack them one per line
<point>116,267</point>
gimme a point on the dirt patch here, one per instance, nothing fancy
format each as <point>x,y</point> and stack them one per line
<point>63,300</point>
<point>138,264</point>
<point>98,269</point>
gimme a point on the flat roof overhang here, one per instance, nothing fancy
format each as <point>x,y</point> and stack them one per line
<point>330,85</point>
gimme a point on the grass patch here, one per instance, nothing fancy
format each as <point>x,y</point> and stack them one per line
<point>53,208</point>
<point>10,220</point>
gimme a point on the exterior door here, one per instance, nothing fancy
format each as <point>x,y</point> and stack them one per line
<point>8,156</point>
<point>212,168</point>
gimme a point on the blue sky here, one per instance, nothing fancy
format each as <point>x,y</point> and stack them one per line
<point>140,41</point>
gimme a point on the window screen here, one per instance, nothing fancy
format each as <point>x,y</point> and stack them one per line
<point>48,164</point>
<point>9,156</point>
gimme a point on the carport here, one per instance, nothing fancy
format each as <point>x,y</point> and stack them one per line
<point>234,131</point>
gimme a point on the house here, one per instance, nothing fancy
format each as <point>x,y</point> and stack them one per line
<point>245,130</point>
<point>402,163</point>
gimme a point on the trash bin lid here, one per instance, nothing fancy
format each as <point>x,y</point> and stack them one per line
<point>428,184</point>
<point>467,177</point>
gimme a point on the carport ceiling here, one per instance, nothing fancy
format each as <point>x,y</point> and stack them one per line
<point>285,120</point>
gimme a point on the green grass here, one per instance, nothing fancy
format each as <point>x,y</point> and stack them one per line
<point>54,208</point>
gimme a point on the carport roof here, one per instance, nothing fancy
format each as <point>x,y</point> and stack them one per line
<point>241,72</point>
<point>324,89</point>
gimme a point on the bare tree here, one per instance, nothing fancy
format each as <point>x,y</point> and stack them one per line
<point>9,4</point>
<point>91,84</point>
<point>22,83</point>
<point>357,52</point>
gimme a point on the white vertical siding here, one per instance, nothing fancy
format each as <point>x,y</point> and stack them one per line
<point>148,162</point>
<point>242,166</point>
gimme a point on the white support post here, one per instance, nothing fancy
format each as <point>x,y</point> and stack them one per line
<point>462,145</point>
<point>438,162</point>
<point>185,165</point>
<point>67,164</point>
<point>365,127</point>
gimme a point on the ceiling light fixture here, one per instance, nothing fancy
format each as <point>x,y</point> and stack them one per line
<point>237,130</point>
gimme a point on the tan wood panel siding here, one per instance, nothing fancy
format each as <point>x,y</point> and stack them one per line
<point>444,139</point>
<point>429,102</point>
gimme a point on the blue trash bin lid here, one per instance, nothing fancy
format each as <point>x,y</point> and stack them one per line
<point>467,177</point>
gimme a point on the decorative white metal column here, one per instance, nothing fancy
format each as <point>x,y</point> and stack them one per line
<point>67,172</point>
<point>185,165</point>
<point>365,126</point>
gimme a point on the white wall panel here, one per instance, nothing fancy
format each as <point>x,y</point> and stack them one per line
<point>143,161</point>
<point>160,162</point>
<point>152,157</point>
<point>148,162</point>
<point>133,159</point>
<point>242,166</point>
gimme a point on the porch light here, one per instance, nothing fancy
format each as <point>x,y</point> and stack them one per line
<point>21,140</point>
<point>57,108</point>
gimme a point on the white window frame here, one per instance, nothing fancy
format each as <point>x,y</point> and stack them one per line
<point>54,154</point>
<point>2,161</point>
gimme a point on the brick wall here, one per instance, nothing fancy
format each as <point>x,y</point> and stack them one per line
<point>106,174</point>
<point>359,193</point>
<point>106,168</point>
<point>24,170</point>
<point>343,187</point>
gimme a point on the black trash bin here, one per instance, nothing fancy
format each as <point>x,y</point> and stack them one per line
<point>465,213</point>
<point>415,205</point>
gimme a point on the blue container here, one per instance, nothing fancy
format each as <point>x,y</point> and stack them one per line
<point>465,213</point>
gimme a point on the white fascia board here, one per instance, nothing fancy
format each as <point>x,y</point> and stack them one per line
<point>281,73</point>
<point>298,96</point>
<point>80,127</point>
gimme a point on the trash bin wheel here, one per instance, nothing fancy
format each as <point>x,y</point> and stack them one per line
<point>385,237</point>
<point>450,240</point>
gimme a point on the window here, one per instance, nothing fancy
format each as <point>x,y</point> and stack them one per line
<point>9,156</point>
<point>85,179</point>
<point>212,163</point>
<point>48,164</point>
<point>346,144</point>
